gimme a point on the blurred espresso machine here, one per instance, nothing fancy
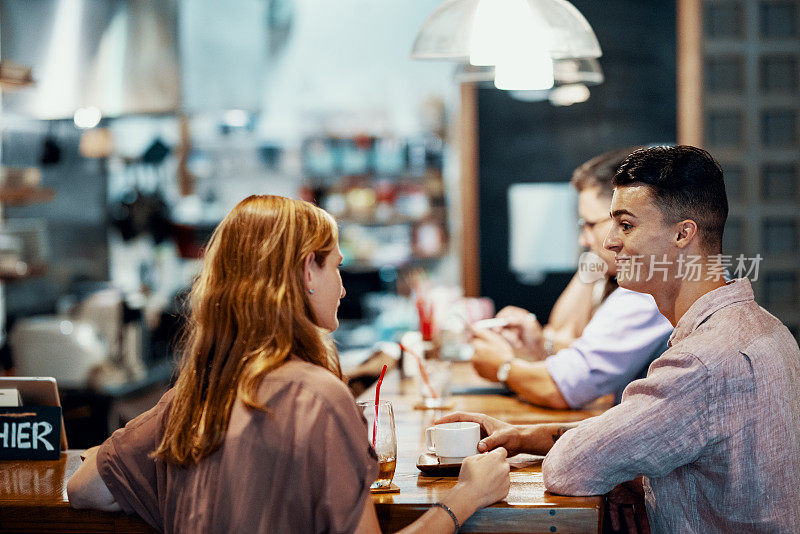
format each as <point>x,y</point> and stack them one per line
<point>95,343</point>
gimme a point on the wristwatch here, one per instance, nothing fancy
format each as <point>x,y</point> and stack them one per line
<point>549,344</point>
<point>503,370</point>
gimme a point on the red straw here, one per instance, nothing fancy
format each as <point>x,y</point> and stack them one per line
<point>377,399</point>
<point>422,372</point>
<point>425,312</point>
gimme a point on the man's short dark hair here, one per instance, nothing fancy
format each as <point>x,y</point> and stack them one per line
<point>686,183</point>
<point>599,171</point>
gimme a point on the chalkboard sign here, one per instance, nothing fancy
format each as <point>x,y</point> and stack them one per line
<point>30,433</point>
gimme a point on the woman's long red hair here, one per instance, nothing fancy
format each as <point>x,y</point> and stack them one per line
<point>248,312</point>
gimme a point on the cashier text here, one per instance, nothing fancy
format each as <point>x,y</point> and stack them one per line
<point>26,435</point>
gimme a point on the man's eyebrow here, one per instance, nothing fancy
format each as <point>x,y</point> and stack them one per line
<point>620,213</point>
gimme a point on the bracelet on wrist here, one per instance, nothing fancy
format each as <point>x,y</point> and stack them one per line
<point>447,509</point>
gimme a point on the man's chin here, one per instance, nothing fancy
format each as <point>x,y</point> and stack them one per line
<point>630,283</point>
<point>611,266</point>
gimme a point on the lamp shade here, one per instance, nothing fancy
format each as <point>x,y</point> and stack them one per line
<point>586,71</point>
<point>452,30</point>
<point>445,34</point>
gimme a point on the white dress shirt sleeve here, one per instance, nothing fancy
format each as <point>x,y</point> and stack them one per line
<point>625,334</point>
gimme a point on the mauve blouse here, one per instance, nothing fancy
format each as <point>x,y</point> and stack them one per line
<point>304,465</point>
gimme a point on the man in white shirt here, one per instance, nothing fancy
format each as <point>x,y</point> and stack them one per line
<point>600,337</point>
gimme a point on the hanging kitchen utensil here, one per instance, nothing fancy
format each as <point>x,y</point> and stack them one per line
<point>158,223</point>
<point>51,152</point>
<point>187,181</point>
<point>123,211</point>
<point>156,152</point>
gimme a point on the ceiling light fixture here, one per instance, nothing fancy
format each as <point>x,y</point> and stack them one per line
<point>526,41</point>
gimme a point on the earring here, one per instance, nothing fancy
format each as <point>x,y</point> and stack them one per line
<point>311,291</point>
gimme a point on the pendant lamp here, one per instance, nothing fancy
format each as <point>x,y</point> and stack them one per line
<point>474,30</point>
<point>528,44</point>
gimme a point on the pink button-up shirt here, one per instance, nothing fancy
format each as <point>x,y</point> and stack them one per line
<point>714,428</point>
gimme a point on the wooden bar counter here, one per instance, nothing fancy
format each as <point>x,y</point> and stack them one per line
<point>528,507</point>
<point>33,495</point>
<point>33,498</point>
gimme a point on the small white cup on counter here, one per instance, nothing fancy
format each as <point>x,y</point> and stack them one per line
<point>452,442</point>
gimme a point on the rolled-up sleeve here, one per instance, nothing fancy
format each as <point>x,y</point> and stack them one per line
<point>661,425</point>
<point>624,335</point>
<point>126,468</point>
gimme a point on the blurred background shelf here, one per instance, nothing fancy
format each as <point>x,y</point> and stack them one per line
<point>8,85</point>
<point>29,271</point>
<point>21,196</point>
<point>14,76</point>
<point>437,213</point>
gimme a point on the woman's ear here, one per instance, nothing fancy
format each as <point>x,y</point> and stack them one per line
<point>686,232</point>
<point>308,270</point>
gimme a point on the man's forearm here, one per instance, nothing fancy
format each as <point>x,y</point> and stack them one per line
<point>532,382</point>
<point>573,307</point>
<point>561,339</point>
<point>539,439</point>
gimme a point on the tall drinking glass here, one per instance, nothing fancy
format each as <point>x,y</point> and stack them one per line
<point>385,440</point>
<point>434,384</point>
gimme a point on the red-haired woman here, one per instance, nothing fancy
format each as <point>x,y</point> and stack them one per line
<point>260,434</point>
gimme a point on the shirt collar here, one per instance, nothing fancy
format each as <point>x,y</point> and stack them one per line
<point>738,290</point>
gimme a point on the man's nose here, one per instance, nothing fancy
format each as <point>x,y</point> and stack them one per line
<point>583,241</point>
<point>344,292</point>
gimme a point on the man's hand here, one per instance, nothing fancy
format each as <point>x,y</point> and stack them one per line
<point>491,351</point>
<point>523,331</point>
<point>516,439</point>
<point>626,508</point>
<point>495,433</point>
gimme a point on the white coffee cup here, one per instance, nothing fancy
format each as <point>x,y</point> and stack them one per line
<point>452,442</point>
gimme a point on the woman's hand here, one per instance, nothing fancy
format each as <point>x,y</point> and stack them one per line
<point>484,478</point>
<point>495,433</point>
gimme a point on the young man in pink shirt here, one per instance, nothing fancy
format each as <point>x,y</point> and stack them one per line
<point>712,434</point>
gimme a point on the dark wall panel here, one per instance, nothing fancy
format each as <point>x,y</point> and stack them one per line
<point>538,142</point>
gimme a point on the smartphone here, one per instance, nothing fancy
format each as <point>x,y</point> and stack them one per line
<point>494,322</point>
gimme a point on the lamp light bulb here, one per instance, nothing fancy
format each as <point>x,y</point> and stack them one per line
<point>87,117</point>
<point>525,72</point>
